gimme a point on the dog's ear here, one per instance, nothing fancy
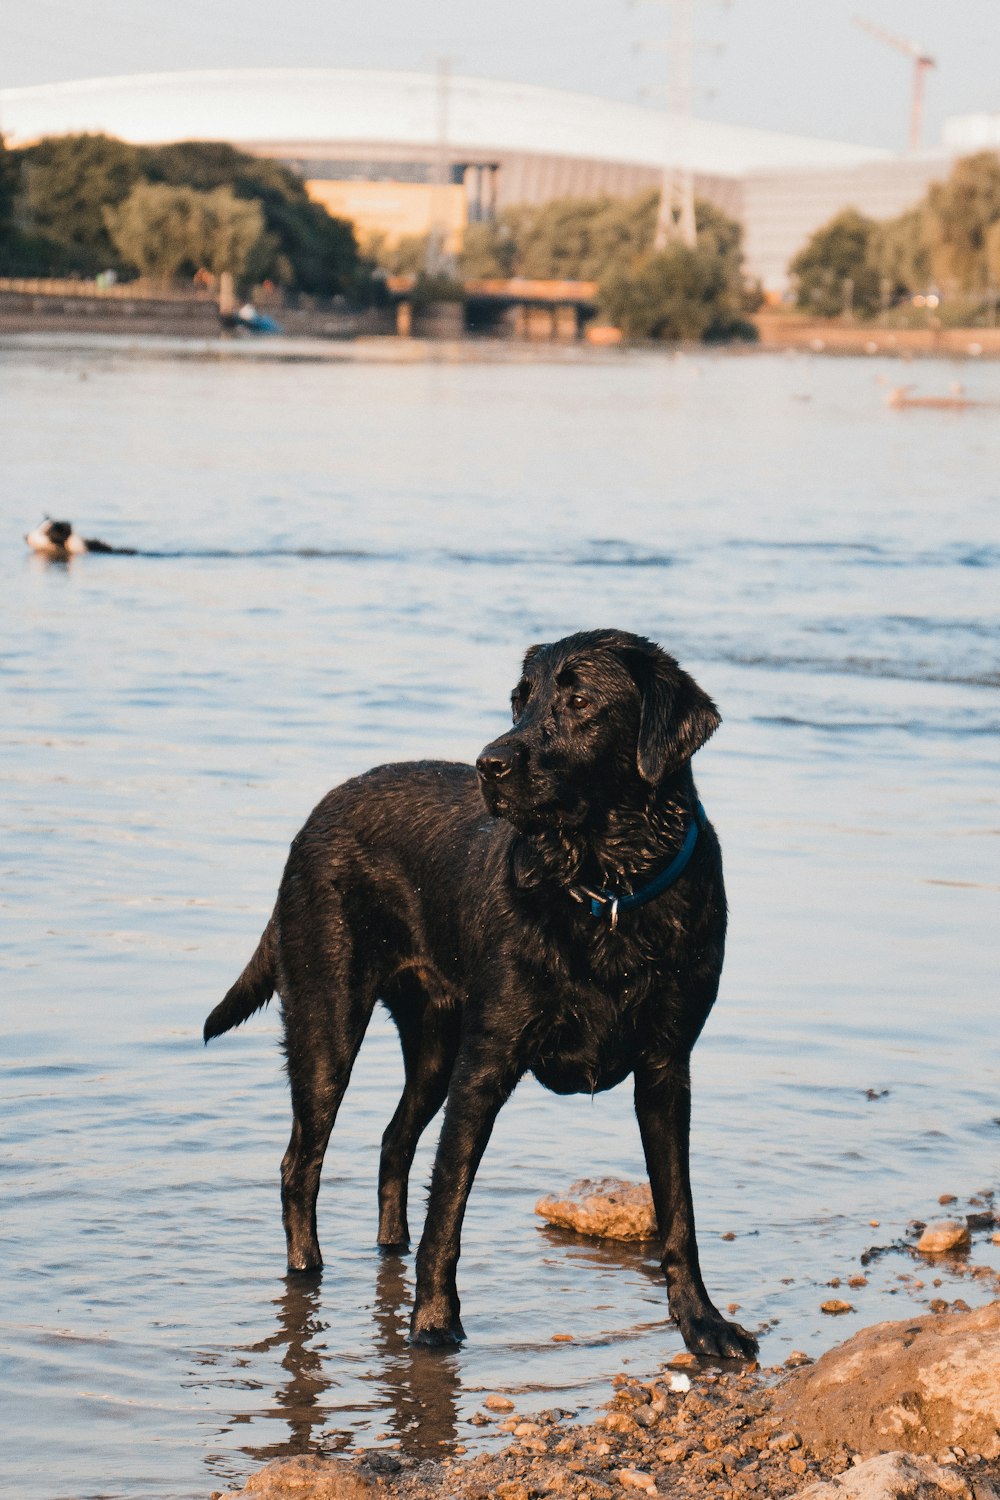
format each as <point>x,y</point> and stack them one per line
<point>676,717</point>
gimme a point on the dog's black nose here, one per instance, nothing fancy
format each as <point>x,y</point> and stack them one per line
<point>494,765</point>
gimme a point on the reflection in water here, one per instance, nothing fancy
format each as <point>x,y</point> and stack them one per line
<point>419,1385</point>
<point>299,1399</point>
<point>416,1387</point>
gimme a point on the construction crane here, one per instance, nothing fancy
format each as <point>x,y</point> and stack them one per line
<point>921,62</point>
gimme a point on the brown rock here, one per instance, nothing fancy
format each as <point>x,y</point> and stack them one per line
<point>498,1403</point>
<point>607,1208</point>
<point>892,1476</point>
<point>835,1307</point>
<point>923,1385</point>
<point>685,1360</point>
<point>943,1235</point>
<point>305,1479</point>
<point>513,1490</point>
<point>637,1480</point>
<point>673,1453</point>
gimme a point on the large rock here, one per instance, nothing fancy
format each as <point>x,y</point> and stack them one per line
<point>306,1478</point>
<point>608,1208</point>
<point>923,1385</point>
<point>895,1476</point>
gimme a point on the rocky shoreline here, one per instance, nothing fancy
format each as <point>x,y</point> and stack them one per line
<point>908,1409</point>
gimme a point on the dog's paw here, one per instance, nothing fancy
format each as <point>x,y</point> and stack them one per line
<point>708,1332</point>
<point>305,1263</point>
<point>436,1326</point>
<point>437,1338</point>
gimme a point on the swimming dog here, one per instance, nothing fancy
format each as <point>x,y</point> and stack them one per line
<point>58,540</point>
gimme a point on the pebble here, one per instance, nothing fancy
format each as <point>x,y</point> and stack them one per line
<point>835,1307</point>
<point>498,1403</point>
<point>637,1480</point>
<point>796,1358</point>
<point>945,1234</point>
<point>673,1453</point>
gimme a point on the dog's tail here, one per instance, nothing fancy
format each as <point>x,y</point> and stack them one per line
<point>252,990</point>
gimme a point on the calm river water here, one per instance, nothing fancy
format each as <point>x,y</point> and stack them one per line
<point>348,559</point>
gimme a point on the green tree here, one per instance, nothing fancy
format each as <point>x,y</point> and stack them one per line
<point>489,251</point>
<point>960,215</point>
<point>163,231</point>
<point>834,271</point>
<point>679,293</point>
<point>312,251</point>
<point>682,292</point>
<point>66,183</point>
<point>581,238</point>
<point>900,255</point>
<point>676,293</point>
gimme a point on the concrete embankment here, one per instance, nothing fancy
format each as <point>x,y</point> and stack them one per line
<point>25,308</point>
<point>67,307</point>
<point>820,336</point>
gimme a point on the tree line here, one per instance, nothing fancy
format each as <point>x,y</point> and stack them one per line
<point>82,204</point>
<point>948,244</point>
<point>680,292</point>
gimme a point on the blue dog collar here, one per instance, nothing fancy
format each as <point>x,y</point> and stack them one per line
<point>616,904</point>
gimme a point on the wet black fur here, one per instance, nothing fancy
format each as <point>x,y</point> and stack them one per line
<point>447,893</point>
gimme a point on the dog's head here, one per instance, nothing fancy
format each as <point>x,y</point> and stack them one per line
<point>50,536</point>
<point>600,718</point>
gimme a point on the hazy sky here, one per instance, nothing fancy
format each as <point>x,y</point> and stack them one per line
<point>793,65</point>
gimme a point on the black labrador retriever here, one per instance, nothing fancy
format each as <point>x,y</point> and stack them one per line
<point>558,910</point>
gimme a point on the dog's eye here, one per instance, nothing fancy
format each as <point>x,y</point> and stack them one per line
<point>579,701</point>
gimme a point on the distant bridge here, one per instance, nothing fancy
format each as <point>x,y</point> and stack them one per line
<point>524,307</point>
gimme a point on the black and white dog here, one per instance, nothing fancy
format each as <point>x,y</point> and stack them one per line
<point>58,540</point>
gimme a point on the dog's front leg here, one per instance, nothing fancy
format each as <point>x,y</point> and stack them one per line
<point>478,1091</point>
<point>663,1108</point>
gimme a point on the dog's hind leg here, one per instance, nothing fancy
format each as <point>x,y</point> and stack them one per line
<point>321,1054</point>
<point>428,1034</point>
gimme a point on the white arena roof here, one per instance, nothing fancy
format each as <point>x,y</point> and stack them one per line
<point>296,106</point>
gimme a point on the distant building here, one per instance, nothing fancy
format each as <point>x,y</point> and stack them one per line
<point>781,209</point>
<point>369,147</point>
<point>964,134</point>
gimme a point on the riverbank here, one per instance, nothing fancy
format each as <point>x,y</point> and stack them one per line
<point>790,331</point>
<point>901,1409</point>
<point>39,309</point>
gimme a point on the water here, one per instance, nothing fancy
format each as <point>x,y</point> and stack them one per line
<point>352,557</point>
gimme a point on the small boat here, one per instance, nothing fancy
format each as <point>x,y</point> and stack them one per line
<point>899,399</point>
